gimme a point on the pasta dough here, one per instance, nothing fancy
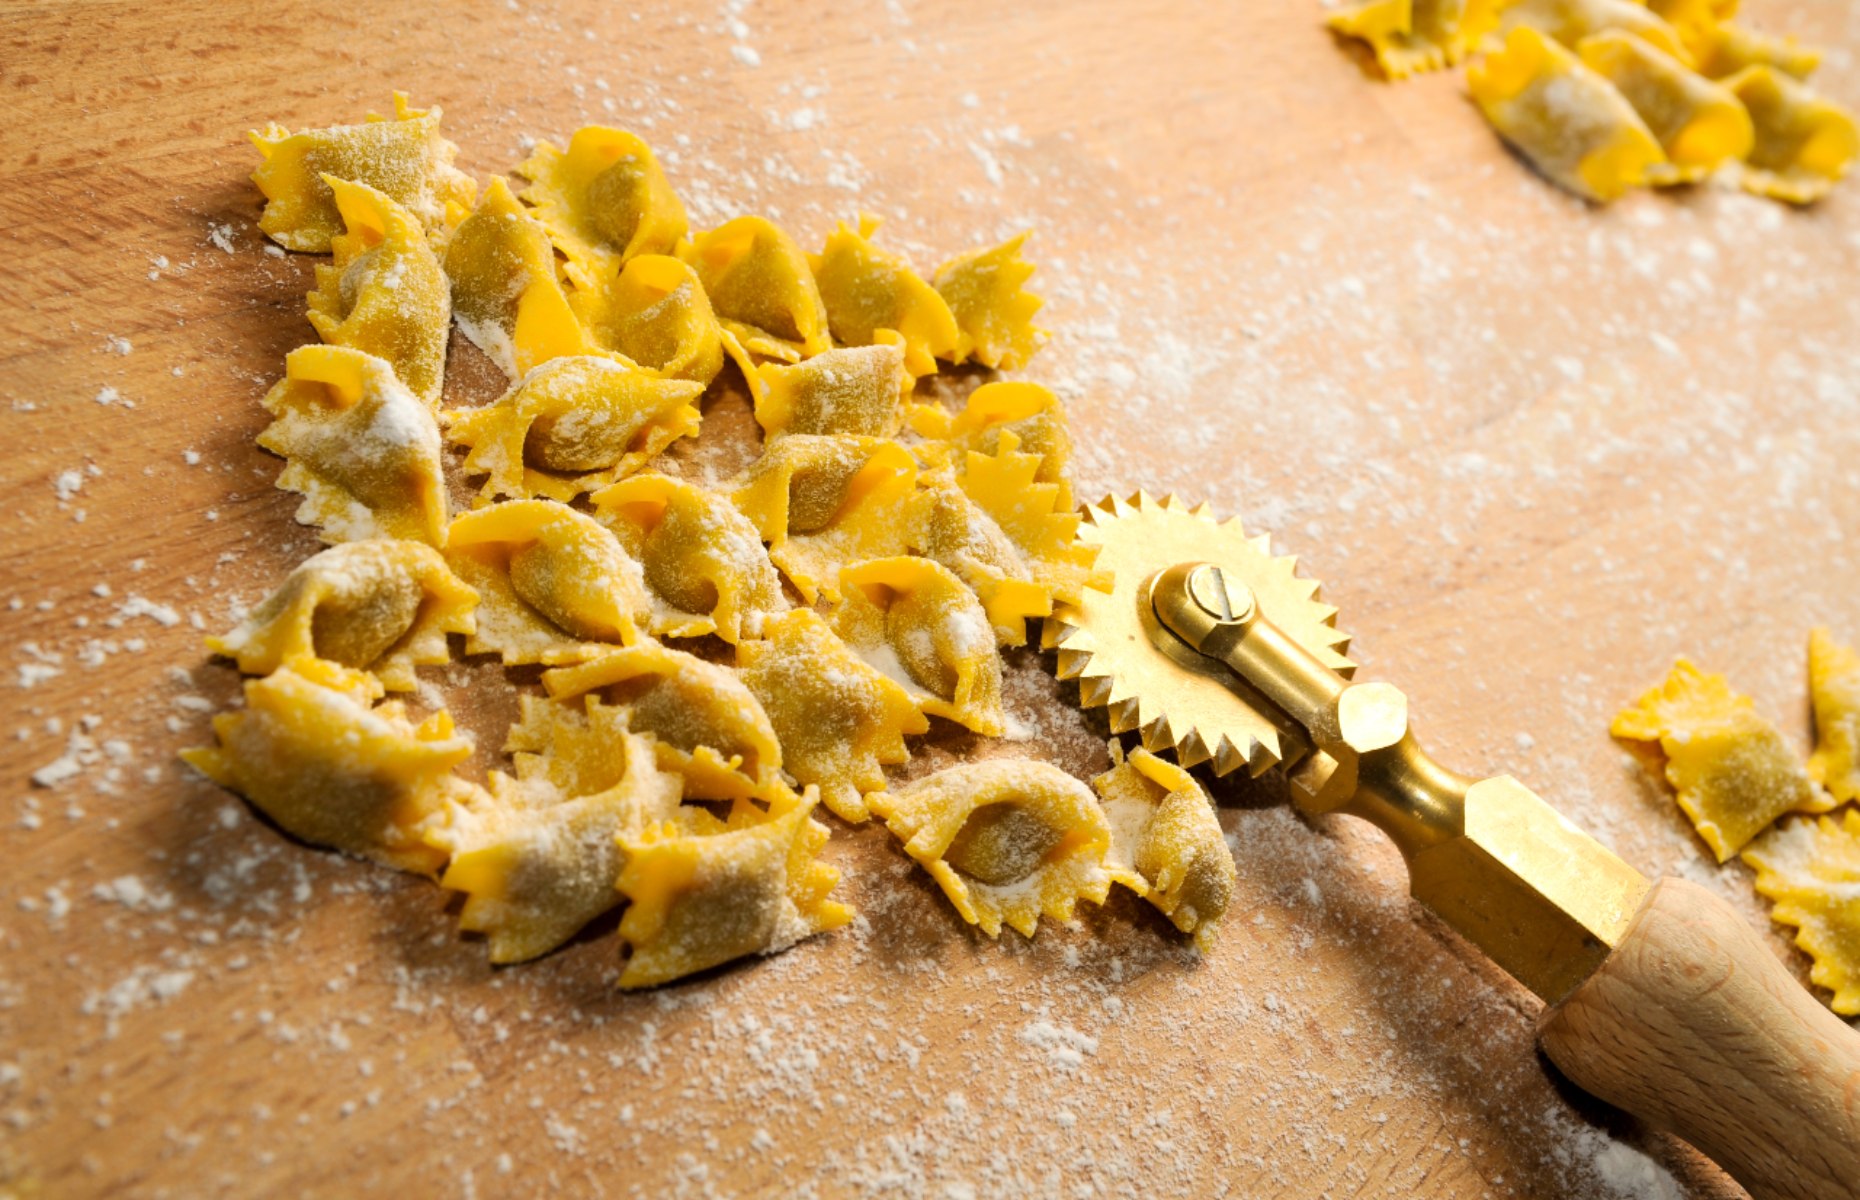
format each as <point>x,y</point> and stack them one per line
<point>360,447</point>
<point>858,391</point>
<point>505,294</point>
<point>1008,840</point>
<point>704,565</point>
<point>574,425</point>
<point>866,291</point>
<point>553,585</point>
<point>1166,842</point>
<point>699,901</point>
<point>655,312</point>
<point>1725,49</point>
<point>1810,869</point>
<point>383,606</point>
<point>1412,36</point>
<point>1567,120</point>
<point>840,720</point>
<point>761,288</point>
<point>403,158</point>
<point>917,623</point>
<point>706,724</point>
<point>1571,21</point>
<point>1733,772</point>
<point>539,856</point>
<point>1834,681</point>
<point>385,293</point>
<point>824,502</point>
<point>309,751</point>
<point>1805,142</point>
<point>604,200</point>
<point>1032,413</point>
<point>986,293</point>
<point>1700,125</point>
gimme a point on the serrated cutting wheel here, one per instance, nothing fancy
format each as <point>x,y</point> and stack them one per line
<point>1144,676</point>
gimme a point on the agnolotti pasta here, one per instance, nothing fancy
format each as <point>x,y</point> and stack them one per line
<point>700,901</point>
<point>839,719</point>
<point>1699,124</point>
<point>506,296</point>
<point>1008,840</point>
<point>403,158</point>
<point>1726,48</point>
<point>1165,835</point>
<point>1412,36</point>
<point>824,502</point>
<point>361,448</point>
<point>859,391</point>
<point>539,855</point>
<point>604,200</point>
<point>986,293</point>
<point>310,752</point>
<point>704,565</point>
<point>761,288</point>
<point>554,586</point>
<point>574,425</point>
<point>385,293</point>
<point>1009,537</point>
<point>384,606</point>
<point>1805,142</point>
<point>1834,683</point>
<point>920,625</point>
<point>1733,772</point>
<point>1810,869</point>
<point>1568,121</point>
<point>1033,414</point>
<point>655,313</point>
<point>868,291</point>
<point>706,724</point>
<point>1571,21</point>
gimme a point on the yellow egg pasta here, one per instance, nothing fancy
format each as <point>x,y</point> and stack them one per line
<point>1008,840</point>
<point>923,628</point>
<point>859,391</point>
<point>1030,412</point>
<point>604,200</point>
<point>1834,683</point>
<point>824,502</point>
<point>1569,122</point>
<point>1733,772</point>
<point>1809,868</point>
<point>1727,48</point>
<point>385,293</point>
<point>383,605</point>
<point>1409,37</point>
<point>839,720</point>
<point>761,288</point>
<point>705,723</point>
<point>506,296</point>
<point>573,425</point>
<point>554,586</point>
<point>866,291</point>
<point>655,313</point>
<point>1571,21</point>
<point>539,855</point>
<point>362,449</point>
<point>704,563</point>
<point>1699,124</point>
<point>1805,142</point>
<point>700,901</point>
<point>311,753</point>
<point>403,158</point>
<point>1166,842</point>
<point>986,293</point>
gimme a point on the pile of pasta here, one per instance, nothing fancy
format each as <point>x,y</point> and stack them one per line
<point>1749,795</point>
<point>857,579</point>
<point>1602,96</point>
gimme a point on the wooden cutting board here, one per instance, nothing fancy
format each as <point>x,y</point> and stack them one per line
<point>1535,449</point>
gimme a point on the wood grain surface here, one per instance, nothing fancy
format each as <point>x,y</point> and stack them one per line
<point>1535,450</point>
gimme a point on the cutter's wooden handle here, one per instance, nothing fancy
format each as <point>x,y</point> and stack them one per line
<point>1694,1025</point>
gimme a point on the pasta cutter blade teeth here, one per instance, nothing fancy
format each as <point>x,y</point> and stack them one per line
<point>1147,680</point>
